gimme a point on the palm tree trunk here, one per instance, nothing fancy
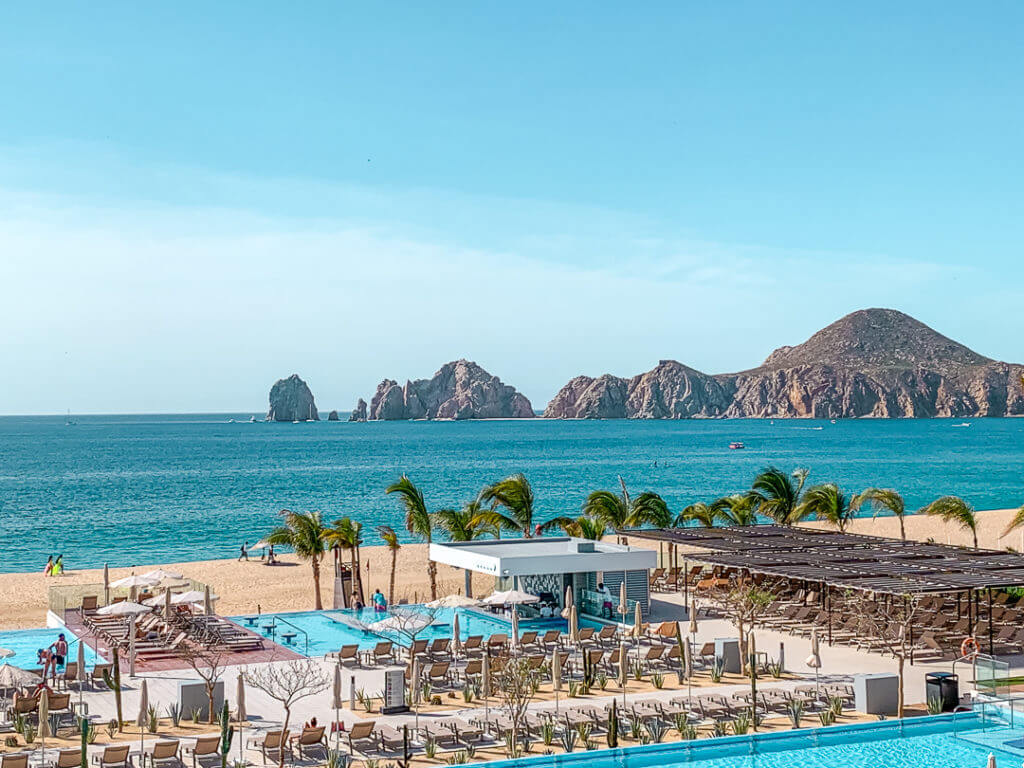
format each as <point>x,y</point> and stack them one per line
<point>318,604</point>
<point>391,583</point>
<point>357,587</point>
<point>432,570</point>
<point>903,532</point>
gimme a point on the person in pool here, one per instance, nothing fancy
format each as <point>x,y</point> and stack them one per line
<point>59,652</point>
<point>380,603</point>
<point>47,661</point>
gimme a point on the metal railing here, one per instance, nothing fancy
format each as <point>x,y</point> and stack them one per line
<point>989,673</point>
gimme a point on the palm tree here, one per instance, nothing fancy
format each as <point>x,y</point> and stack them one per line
<point>417,520</point>
<point>582,527</point>
<point>387,533</point>
<point>879,499</point>
<point>953,509</point>
<point>465,524</point>
<point>516,496</point>
<point>305,533</point>
<point>618,510</point>
<point>1016,522</point>
<point>738,509</point>
<point>699,512</point>
<point>778,494</point>
<point>346,533</point>
<point>826,502</point>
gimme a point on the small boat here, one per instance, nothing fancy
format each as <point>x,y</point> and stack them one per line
<point>736,446</point>
<point>252,419</point>
<point>833,421</point>
<point>962,424</point>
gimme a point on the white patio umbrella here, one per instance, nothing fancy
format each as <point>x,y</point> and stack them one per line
<point>991,760</point>
<point>688,667</point>
<point>124,608</point>
<point>407,621</point>
<point>814,662</point>
<point>160,574</point>
<point>638,621</point>
<point>623,603</point>
<point>143,716</point>
<point>511,597</point>
<point>693,618</point>
<point>135,581</point>
<point>515,628</point>
<point>623,672</point>
<point>44,717</point>
<point>452,601</point>
<point>569,601</point>
<point>192,597</point>
<point>240,712</point>
<point>16,677</point>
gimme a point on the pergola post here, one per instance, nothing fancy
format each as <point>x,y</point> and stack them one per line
<point>686,583</point>
<point>991,639</point>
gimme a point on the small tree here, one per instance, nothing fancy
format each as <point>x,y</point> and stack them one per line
<point>515,684</point>
<point>287,683</point>
<point>889,621</point>
<point>208,663</point>
<point>745,603</point>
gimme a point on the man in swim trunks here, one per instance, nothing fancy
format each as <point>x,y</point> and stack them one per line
<point>59,652</point>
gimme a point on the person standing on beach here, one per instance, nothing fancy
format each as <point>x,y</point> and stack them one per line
<point>245,553</point>
<point>48,569</point>
<point>58,566</point>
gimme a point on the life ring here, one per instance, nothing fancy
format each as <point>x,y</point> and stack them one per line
<point>969,647</point>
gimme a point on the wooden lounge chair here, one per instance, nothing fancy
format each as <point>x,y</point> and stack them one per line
<point>19,760</point>
<point>383,651</point>
<point>205,747</point>
<point>311,739</point>
<point>272,743</point>
<point>440,649</point>
<point>391,739</point>
<point>113,756</point>
<point>90,603</point>
<point>418,649</point>
<point>497,641</point>
<point>551,639</point>
<point>165,752</point>
<point>473,646</point>
<point>586,635</point>
<point>346,654</point>
<point>607,635</point>
<point>528,641</point>
<point>439,673</point>
<point>67,758</point>
<point>69,675</point>
<point>362,738</point>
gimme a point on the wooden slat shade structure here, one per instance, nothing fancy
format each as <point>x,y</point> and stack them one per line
<point>844,560</point>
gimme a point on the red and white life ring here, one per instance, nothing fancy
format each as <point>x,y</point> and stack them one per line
<point>969,647</point>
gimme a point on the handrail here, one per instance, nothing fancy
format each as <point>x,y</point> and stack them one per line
<point>305,635</point>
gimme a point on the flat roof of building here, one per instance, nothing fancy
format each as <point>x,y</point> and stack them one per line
<point>542,555</point>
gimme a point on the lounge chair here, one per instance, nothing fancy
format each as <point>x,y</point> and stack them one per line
<point>440,649</point>
<point>473,646</point>
<point>552,639</point>
<point>391,739</point>
<point>96,676</point>
<point>89,604</point>
<point>606,636</point>
<point>272,743</point>
<point>67,758</point>
<point>19,760</point>
<point>586,635</point>
<point>418,649</point>
<point>69,675</point>
<point>528,641</point>
<point>310,739</point>
<point>205,747</point>
<point>362,738</point>
<point>497,641</point>
<point>383,651</point>
<point>166,752</point>
<point>439,673</point>
<point>114,756</point>
<point>347,653</point>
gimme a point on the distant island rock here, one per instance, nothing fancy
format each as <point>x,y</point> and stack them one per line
<point>877,363</point>
<point>359,412</point>
<point>459,390</point>
<point>291,400</point>
<point>332,416</point>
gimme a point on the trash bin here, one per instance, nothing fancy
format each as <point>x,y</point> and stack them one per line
<point>943,686</point>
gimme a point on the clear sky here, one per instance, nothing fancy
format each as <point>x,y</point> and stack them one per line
<point>199,198</point>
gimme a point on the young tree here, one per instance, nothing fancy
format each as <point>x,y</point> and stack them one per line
<point>417,520</point>
<point>745,604</point>
<point>515,684</point>
<point>887,621</point>
<point>208,663</point>
<point>287,683</point>
<point>305,533</point>
<point>390,538</point>
<point>879,499</point>
<point>953,509</point>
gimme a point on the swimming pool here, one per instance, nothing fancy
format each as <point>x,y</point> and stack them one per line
<point>925,742</point>
<point>320,632</point>
<point>26,643</point>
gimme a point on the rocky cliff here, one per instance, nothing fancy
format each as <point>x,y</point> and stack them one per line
<point>872,363</point>
<point>460,390</point>
<point>359,412</point>
<point>291,400</point>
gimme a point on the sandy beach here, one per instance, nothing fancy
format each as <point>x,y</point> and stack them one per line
<point>244,587</point>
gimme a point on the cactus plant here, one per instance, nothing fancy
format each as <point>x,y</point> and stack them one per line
<point>226,734</point>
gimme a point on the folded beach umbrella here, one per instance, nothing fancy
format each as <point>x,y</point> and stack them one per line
<point>991,760</point>
<point>638,621</point>
<point>143,715</point>
<point>693,618</point>
<point>623,672</point>
<point>124,608</point>
<point>167,603</point>
<point>574,625</point>
<point>456,640</point>
<point>515,628</point>
<point>44,715</point>
<point>556,671</point>
<point>106,583</point>
<point>623,605</point>
<point>81,672</point>
<point>687,661</point>
<point>485,675</point>
<point>568,602</point>
<point>207,601</point>
<point>16,677</point>
<point>240,714</point>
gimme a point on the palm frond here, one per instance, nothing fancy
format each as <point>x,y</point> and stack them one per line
<point>825,502</point>
<point>417,519</point>
<point>953,509</point>
<point>1016,522</point>
<point>514,494</point>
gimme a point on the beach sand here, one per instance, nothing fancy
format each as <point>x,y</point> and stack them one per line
<point>244,587</point>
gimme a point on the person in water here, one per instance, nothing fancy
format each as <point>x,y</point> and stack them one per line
<point>380,603</point>
<point>59,652</point>
<point>357,601</point>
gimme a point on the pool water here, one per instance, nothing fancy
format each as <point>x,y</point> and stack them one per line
<point>26,643</point>
<point>320,632</point>
<point>927,742</point>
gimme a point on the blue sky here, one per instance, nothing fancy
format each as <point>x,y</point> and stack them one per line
<point>198,198</point>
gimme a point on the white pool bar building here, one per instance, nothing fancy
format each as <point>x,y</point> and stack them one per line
<point>546,566</point>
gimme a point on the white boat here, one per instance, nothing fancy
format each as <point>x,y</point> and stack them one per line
<point>252,419</point>
<point>961,424</point>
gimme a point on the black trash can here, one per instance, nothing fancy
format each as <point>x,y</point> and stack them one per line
<point>943,686</point>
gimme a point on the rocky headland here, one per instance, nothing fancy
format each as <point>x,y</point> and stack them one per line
<point>359,412</point>
<point>459,390</point>
<point>872,363</point>
<point>291,400</point>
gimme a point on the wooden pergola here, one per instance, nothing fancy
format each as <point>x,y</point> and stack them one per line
<point>835,560</point>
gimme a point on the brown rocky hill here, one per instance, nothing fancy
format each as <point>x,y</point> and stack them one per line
<point>459,390</point>
<point>871,363</point>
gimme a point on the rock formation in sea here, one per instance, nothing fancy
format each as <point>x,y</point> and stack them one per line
<point>332,416</point>
<point>359,412</point>
<point>291,400</point>
<point>872,363</point>
<point>459,390</point>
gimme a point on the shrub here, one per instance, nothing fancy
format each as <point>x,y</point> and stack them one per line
<point>174,712</point>
<point>430,748</point>
<point>741,723</point>
<point>568,739</point>
<point>717,671</point>
<point>795,710</point>
<point>827,717</point>
<point>658,680</point>
<point>547,733</point>
<point>656,729</point>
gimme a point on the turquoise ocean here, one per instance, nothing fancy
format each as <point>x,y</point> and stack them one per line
<point>144,489</point>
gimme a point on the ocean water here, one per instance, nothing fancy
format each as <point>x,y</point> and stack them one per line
<point>142,489</point>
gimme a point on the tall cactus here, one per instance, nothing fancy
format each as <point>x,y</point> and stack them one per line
<point>613,727</point>
<point>226,734</point>
<point>84,727</point>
